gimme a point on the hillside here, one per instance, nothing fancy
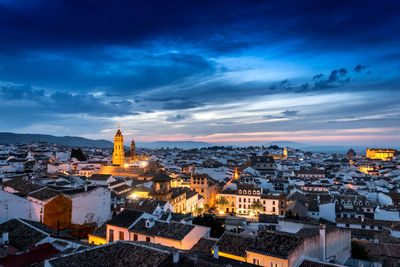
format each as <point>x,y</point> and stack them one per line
<point>72,141</point>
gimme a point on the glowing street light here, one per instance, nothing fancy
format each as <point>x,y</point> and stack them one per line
<point>144,164</point>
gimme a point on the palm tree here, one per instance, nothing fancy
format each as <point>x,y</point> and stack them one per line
<point>222,202</point>
<point>198,211</point>
<point>257,206</point>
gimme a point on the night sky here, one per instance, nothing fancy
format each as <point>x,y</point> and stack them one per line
<point>240,72</point>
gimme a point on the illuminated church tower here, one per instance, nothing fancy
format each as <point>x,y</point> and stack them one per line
<point>133,151</point>
<point>118,155</point>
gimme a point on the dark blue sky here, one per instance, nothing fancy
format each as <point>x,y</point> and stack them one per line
<point>219,71</point>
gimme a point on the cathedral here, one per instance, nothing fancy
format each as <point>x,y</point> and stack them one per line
<point>120,164</point>
<point>119,154</point>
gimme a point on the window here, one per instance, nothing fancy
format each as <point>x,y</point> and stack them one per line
<point>256,261</point>
<point>202,190</point>
<point>240,199</point>
<point>240,206</point>
<point>275,264</point>
<point>264,202</point>
<point>135,237</point>
<point>273,202</point>
<point>111,235</point>
<point>347,225</point>
<point>273,209</point>
<point>121,235</point>
<point>147,239</point>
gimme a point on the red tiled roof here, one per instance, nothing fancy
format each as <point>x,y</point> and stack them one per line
<point>35,255</point>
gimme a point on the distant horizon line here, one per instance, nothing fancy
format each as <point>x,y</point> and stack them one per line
<point>229,143</point>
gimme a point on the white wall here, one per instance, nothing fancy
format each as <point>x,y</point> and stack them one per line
<point>194,236</point>
<point>91,206</point>
<point>289,227</point>
<point>327,211</point>
<point>12,206</point>
<point>392,215</point>
<point>384,199</point>
<point>55,168</point>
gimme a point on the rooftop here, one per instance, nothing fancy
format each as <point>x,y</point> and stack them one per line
<point>125,219</point>
<point>171,230</point>
<point>275,244</point>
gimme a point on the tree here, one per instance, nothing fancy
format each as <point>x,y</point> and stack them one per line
<point>78,154</point>
<point>222,202</point>
<point>210,221</point>
<point>198,211</point>
<point>256,206</point>
<point>358,251</point>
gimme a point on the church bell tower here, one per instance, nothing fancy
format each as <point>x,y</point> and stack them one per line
<point>118,155</point>
<point>133,151</point>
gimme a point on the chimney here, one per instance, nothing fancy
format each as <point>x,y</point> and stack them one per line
<point>4,238</point>
<point>322,229</point>
<point>216,251</point>
<point>150,223</point>
<point>175,256</point>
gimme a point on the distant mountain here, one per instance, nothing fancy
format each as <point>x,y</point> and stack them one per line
<point>72,141</point>
<point>318,148</point>
<point>172,144</point>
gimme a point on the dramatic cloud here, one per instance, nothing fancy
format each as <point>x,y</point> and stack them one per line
<point>184,70</point>
<point>39,101</point>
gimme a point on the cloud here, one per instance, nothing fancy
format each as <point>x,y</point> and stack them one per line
<point>121,70</point>
<point>181,104</point>
<point>337,77</point>
<point>318,76</point>
<point>177,117</point>
<point>360,68</point>
<point>40,101</point>
<point>290,113</point>
<point>283,115</point>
